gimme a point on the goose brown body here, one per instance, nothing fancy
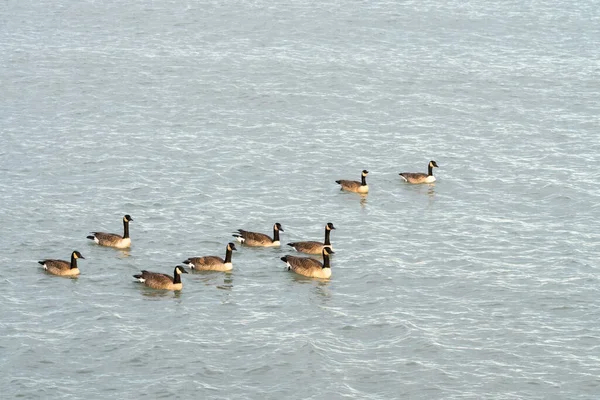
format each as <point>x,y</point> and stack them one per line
<point>62,267</point>
<point>355,186</point>
<point>112,239</point>
<point>420,177</point>
<point>314,247</point>
<point>156,280</point>
<point>310,267</point>
<point>256,239</point>
<point>212,263</point>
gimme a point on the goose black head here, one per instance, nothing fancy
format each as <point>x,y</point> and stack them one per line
<point>180,270</point>
<point>77,254</point>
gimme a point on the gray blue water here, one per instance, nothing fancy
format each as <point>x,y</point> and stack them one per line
<point>199,118</point>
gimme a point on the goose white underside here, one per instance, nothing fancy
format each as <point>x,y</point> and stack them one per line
<point>272,244</point>
<point>363,189</point>
<point>428,179</point>
<point>257,243</point>
<point>314,251</point>
<point>121,244</point>
<point>61,272</point>
<point>324,273</point>
<point>225,267</point>
<point>220,267</point>
<point>228,266</point>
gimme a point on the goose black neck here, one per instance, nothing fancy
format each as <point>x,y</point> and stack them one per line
<point>363,180</point>
<point>73,261</point>
<point>327,233</point>
<point>176,277</point>
<point>326,261</point>
<point>228,255</point>
<point>125,229</point>
<point>275,235</point>
<point>430,170</point>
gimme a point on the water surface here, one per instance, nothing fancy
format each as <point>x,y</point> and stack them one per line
<point>201,118</point>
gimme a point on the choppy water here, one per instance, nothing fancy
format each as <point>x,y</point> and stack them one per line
<point>199,118</point>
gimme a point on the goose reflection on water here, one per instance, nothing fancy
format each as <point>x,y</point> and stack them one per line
<point>156,294</point>
<point>227,283</point>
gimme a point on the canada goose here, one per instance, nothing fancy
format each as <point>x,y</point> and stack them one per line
<point>308,266</point>
<point>112,239</point>
<point>356,186</point>
<point>420,177</point>
<point>310,247</point>
<point>256,239</point>
<point>62,267</point>
<point>212,263</point>
<point>156,280</point>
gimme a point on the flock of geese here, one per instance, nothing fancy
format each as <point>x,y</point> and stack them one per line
<point>306,266</point>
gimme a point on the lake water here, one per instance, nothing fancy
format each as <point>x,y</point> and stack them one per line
<point>200,118</point>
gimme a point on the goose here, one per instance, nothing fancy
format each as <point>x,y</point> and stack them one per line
<point>256,239</point>
<point>311,247</point>
<point>212,263</point>
<point>420,177</point>
<point>62,267</point>
<point>156,280</point>
<point>356,186</point>
<point>112,239</point>
<point>309,266</point>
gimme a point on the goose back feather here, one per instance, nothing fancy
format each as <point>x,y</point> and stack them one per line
<point>113,239</point>
<point>420,177</point>
<point>355,186</point>
<point>156,280</point>
<point>62,267</point>
<point>308,266</point>
<point>212,263</point>
<point>314,247</point>
<point>256,239</point>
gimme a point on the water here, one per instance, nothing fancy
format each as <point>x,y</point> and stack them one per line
<point>201,118</point>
